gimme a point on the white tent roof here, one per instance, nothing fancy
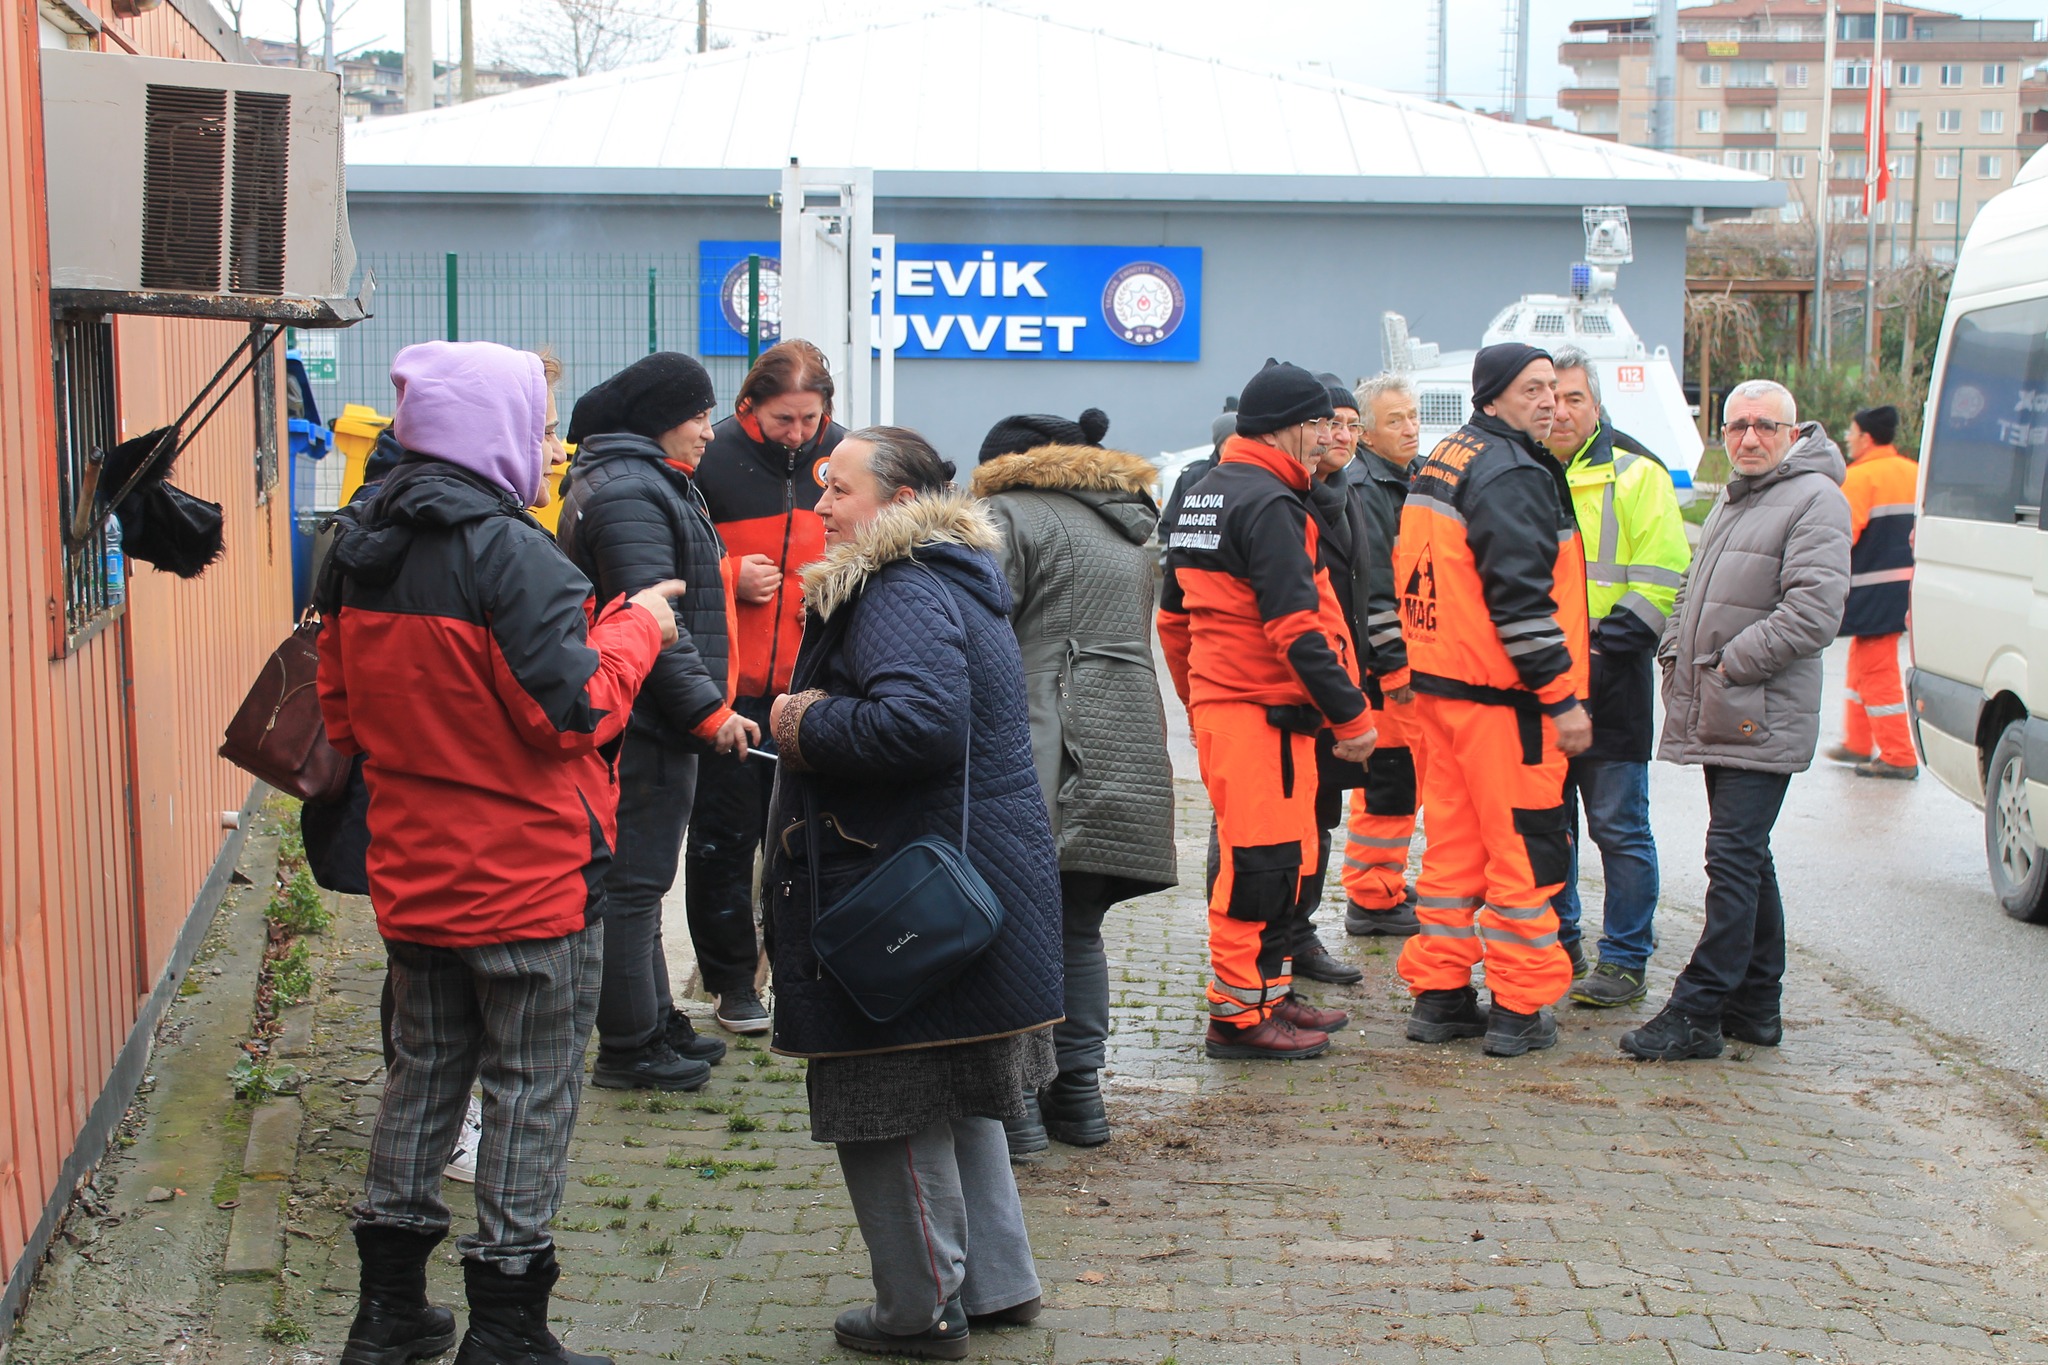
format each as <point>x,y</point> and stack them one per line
<point>983,100</point>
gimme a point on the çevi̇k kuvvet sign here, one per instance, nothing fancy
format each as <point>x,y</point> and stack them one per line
<point>973,301</point>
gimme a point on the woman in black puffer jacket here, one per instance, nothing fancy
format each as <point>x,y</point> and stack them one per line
<point>632,516</point>
<point>908,684</point>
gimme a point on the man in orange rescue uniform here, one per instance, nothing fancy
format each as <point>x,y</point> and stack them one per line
<point>1880,487</point>
<point>1493,611</point>
<point>1260,655</point>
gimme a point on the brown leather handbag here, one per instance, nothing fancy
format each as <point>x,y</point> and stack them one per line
<point>279,733</point>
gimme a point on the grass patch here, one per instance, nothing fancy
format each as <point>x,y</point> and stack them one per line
<point>285,1331</point>
<point>742,1123</point>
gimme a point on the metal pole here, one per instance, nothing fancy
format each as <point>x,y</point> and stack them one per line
<point>1823,332</point>
<point>468,52</point>
<point>653,332</point>
<point>1919,155</point>
<point>885,388</point>
<point>454,296</point>
<point>1664,77</point>
<point>1522,62</point>
<point>419,55</point>
<point>1443,50</point>
<point>703,25</point>
<point>1873,167</point>
<point>753,310</point>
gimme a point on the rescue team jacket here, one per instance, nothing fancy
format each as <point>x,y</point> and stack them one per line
<point>463,655</point>
<point>1382,489</point>
<point>1880,487</point>
<point>764,499</point>
<point>1636,556</point>
<point>630,519</point>
<point>1493,579</point>
<point>1245,613</point>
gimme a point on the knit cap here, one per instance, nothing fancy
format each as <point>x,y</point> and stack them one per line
<point>1280,396</point>
<point>1496,367</point>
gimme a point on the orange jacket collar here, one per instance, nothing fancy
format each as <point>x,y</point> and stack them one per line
<point>1877,453</point>
<point>752,426</point>
<point>1272,459</point>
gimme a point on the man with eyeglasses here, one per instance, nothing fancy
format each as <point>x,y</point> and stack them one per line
<point>1258,651</point>
<point>1493,611</point>
<point>1742,685</point>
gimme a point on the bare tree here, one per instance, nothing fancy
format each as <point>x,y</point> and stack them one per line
<point>331,12</point>
<point>579,37</point>
<point>234,9</point>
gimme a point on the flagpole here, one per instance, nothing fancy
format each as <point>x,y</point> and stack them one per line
<point>1823,330</point>
<point>1873,175</point>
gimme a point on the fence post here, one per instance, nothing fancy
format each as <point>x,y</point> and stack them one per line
<point>453,290</point>
<point>753,310</point>
<point>653,335</point>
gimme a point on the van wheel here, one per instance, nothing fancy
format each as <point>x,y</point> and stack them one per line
<point>2019,867</point>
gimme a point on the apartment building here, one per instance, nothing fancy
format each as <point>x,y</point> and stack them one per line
<point>373,84</point>
<point>1751,77</point>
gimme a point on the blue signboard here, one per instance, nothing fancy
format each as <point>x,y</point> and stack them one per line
<point>978,302</point>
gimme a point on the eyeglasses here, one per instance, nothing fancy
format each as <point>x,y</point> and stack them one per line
<point>1764,427</point>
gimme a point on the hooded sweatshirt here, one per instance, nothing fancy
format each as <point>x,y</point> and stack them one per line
<point>478,405</point>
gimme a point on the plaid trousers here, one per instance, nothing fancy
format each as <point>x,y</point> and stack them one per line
<point>518,1014</point>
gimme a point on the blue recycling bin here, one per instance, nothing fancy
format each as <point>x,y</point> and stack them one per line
<point>309,443</point>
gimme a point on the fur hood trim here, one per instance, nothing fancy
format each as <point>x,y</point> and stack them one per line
<point>950,518</point>
<point>1068,468</point>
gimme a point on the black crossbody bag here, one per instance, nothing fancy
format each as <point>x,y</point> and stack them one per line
<point>916,921</point>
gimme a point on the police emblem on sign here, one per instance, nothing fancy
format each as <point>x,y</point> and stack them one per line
<point>1143,303</point>
<point>732,299</point>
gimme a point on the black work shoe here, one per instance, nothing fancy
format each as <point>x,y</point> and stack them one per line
<point>1509,1034</point>
<point>1766,1030</point>
<point>1016,1315</point>
<point>1877,767</point>
<point>1842,753</point>
<point>1441,1016</point>
<point>1576,951</point>
<point>394,1323</point>
<point>684,1040</point>
<point>1026,1135</point>
<point>1398,922</point>
<point>508,1317</point>
<point>1673,1037</point>
<point>945,1339</point>
<point>740,1011</point>
<point>1072,1109</point>
<point>1610,986</point>
<point>1315,962</point>
<point>654,1067</point>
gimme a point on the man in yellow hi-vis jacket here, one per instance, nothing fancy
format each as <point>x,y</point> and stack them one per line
<point>1636,553</point>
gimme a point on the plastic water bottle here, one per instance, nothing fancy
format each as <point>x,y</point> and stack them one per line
<point>116,565</point>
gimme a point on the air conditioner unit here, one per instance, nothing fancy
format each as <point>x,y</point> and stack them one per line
<point>197,189</point>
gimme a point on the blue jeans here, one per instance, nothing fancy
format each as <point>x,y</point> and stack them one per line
<point>1617,801</point>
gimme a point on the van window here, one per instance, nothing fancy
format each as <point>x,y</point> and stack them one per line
<point>1990,445</point>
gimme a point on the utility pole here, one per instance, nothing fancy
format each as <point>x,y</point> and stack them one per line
<point>468,86</point>
<point>1873,171</point>
<point>1522,61</point>
<point>1919,155</point>
<point>1823,332</point>
<point>1664,78</point>
<point>419,55</point>
<point>703,25</point>
<point>1440,41</point>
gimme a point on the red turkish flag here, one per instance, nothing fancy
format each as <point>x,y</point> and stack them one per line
<point>1875,191</point>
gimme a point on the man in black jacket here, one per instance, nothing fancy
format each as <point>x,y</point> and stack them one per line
<point>631,516</point>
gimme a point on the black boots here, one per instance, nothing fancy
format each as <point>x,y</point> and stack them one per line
<point>946,1339</point>
<point>1440,1016</point>
<point>508,1317</point>
<point>1026,1135</point>
<point>1674,1037</point>
<point>1072,1108</point>
<point>1509,1034</point>
<point>394,1322</point>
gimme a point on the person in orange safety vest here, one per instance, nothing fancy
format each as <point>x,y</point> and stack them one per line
<point>1880,487</point>
<point>1259,654</point>
<point>1493,611</point>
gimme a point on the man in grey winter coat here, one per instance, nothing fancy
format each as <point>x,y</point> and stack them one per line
<point>1074,519</point>
<point>1742,682</point>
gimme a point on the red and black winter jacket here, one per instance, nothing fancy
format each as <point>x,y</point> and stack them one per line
<point>764,499</point>
<point>1245,614</point>
<point>464,656</point>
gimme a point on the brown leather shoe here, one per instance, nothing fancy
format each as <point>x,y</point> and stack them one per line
<point>1274,1040</point>
<point>1298,1012</point>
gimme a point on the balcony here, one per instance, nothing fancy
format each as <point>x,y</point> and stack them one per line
<point>1584,96</point>
<point>1766,95</point>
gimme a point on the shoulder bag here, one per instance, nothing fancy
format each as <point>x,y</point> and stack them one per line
<point>916,921</point>
<point>279,734</point>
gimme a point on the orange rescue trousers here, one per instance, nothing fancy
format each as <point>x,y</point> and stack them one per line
<point>1874,715</point>
<point>1498,851</point>
<point>1262,785</point>
<point>1382,823</point>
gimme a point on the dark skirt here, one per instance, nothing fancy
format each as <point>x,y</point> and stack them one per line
<point>889,1095</point>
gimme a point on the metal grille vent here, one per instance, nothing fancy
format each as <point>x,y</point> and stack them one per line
<point>183,187</point>
<point>257,199</point>
<point>1549,324</point>
<point>1441,407</point>
<point>1596,324</point>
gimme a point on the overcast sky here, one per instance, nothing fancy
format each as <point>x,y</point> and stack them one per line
<point>1374,42</point>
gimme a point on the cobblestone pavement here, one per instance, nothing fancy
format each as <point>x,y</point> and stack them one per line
<point>1867,1194</point>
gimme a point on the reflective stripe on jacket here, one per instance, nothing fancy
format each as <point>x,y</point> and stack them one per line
<point>1491,574</point>
<point>1880,487</point>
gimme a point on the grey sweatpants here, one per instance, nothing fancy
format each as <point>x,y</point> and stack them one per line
<point>1083,1035</point>
<point>518,1014</point>
<point>940,1214</point>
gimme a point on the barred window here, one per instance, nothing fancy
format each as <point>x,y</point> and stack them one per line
<point>95,585</point>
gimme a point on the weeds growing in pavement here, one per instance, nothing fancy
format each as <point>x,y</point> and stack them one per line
<point>257,1081</point>
<point>299,908</point>
<point>291,975</point>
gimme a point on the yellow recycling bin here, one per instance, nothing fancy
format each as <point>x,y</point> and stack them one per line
<point>356,432</point>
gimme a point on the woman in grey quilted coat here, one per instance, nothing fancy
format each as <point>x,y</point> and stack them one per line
<point>1074,519</point>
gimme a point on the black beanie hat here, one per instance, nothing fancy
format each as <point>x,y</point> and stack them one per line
<point>1279,396</point>
<point>1341,395</point>
<point>1496,367</point>
<point>1880,424</point>
<point>1015,435</point>
<point>654,394</point>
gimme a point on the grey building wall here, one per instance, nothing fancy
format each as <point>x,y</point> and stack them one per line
<point>1304,283</point>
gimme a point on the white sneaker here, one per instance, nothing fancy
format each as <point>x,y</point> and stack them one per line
<point>462,1165</point>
